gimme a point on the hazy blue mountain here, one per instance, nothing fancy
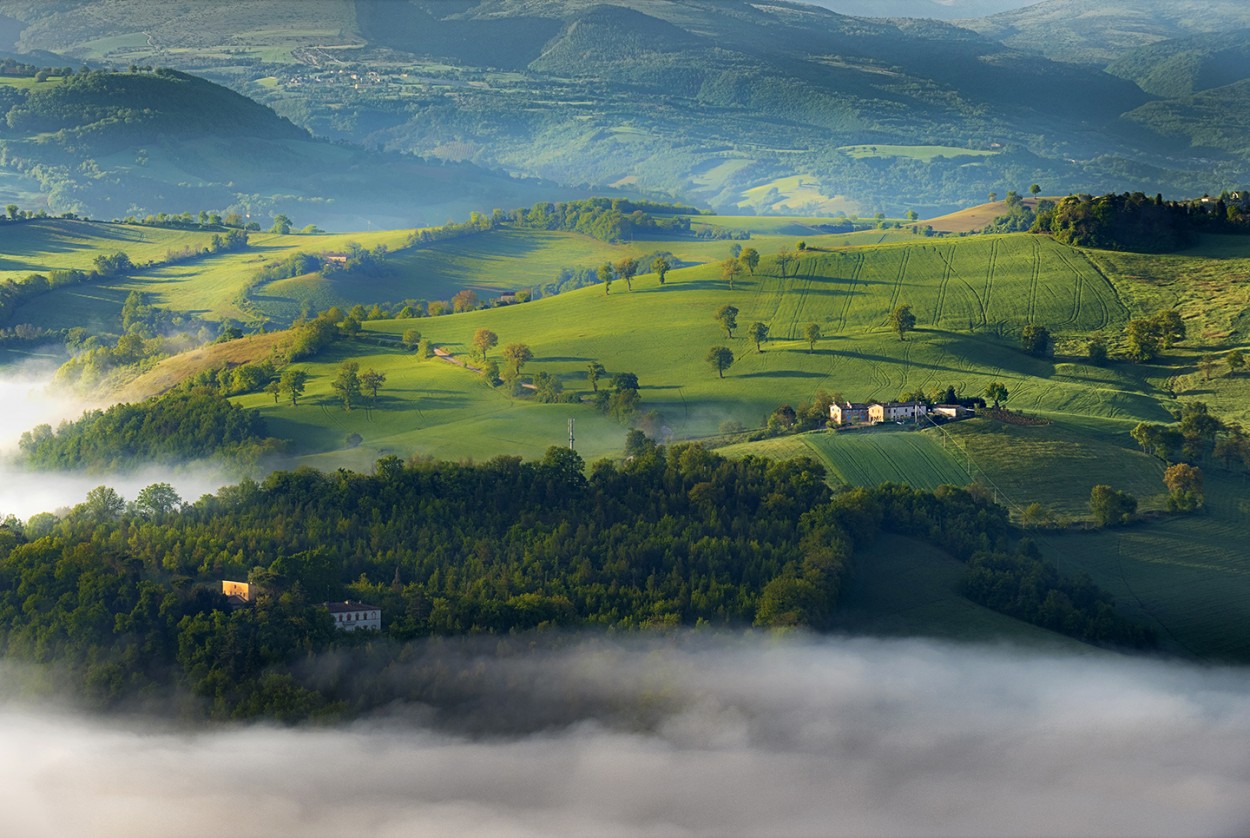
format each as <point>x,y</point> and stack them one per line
<point>773,107</point>
<point>936,9</point>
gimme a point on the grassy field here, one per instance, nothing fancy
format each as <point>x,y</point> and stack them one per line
<point>209,286</point>
<point>869,457</point>
<point>1188,576</point>
<point>904,587</point>
<point>923,153</point>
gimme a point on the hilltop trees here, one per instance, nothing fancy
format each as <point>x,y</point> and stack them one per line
<point>720,357</point>
<point>902,320</point>
<point>727,316</point>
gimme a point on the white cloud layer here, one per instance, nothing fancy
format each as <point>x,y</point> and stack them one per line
<point>755,737</point>
<point>29,400</point>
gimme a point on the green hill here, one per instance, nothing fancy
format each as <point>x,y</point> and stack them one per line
<point>130,143</point>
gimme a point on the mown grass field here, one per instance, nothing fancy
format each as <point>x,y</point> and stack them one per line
<point>1188,576</point>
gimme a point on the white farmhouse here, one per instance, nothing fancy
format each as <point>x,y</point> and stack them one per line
<point>350,616</point>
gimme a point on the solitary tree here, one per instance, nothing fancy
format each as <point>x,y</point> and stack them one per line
<point>720,357</point>
<point>1236,361</point>
<point>411,339</point>
<point>996,392</point>
<point>1034,189</point>
<point>515,355</point>
<point>784,259</point>
<point>347,383</point>
<point>292,383</point>
<point>371,380</point>
<point>730,270</point>
<point>902,320</point>
<point>594,372</point>
<point>661,267</point>
<point>1035,339</point>
<point>605,276</point>
<point>727,316</point>
<point>750,258</point>
<point>485,340</point>
<point>812,333</point>
<point>626,269</point>
<point>759,334</point>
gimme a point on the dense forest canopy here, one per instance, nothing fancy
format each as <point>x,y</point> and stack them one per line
<point>128,598</point>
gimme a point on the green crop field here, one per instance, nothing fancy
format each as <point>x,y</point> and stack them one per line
<point>869,457</point>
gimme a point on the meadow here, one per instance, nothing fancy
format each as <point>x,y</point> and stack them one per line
<point>971,297</point>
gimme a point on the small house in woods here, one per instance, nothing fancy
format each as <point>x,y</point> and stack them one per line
<point>237,594</point>
<point>896,411</point>
<point>350,616</point>
<point>848,413</point>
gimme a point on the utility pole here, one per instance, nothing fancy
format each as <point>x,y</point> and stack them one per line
<point>570,434</point>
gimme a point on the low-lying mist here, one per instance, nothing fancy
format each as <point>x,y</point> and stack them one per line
<point>30,399</point>
<point>680,735</point>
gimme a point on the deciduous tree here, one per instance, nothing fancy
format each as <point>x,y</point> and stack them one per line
<point>485,340</point>
<point>346,383</point>
<point>515,355</point>
<point>371,380</point>
<point>594,372</point>
<point>996,392</point>
<point>720,357</point>
<point>626,269</point>
<point>727,316</point>
<point>292,383</point>
<point>1035,339</point>
<point>812,334</point>
<point>759,334</point>
<point>902,320</point>
<point>660,267</point>
<point>750,258</point>
<point>1184,484</point>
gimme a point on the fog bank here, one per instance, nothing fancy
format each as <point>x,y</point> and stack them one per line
<point>29,400</point>
<point>732,737</point>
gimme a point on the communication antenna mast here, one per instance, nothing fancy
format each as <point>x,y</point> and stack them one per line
<point>570,434</point>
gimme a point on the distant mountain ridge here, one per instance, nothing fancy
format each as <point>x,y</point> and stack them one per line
<point>776,107</point>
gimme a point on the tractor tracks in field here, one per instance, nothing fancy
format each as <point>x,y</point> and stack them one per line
<point>850,291</point>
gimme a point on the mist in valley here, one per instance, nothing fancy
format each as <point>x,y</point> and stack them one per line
<point>31,398</point>
<point>687,734</point>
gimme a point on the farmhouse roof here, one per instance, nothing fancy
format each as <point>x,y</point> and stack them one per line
<point>344,607</point>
